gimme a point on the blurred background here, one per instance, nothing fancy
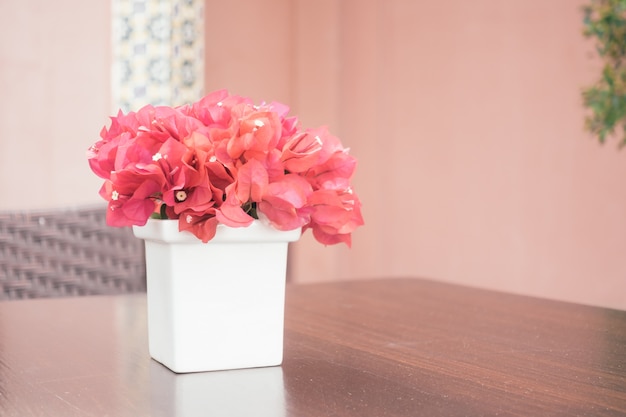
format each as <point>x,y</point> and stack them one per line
<point>466,118</point>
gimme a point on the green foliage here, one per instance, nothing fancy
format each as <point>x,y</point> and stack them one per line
<point>161,215</point>
<point>605,20</point>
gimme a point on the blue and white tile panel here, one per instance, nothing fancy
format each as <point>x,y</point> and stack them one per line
<point>157,51</point>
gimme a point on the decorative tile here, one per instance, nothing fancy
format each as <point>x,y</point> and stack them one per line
<point>158,52</point>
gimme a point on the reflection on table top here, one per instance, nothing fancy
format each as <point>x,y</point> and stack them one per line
<point>395,347</point>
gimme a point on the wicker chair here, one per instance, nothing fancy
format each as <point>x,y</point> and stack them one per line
<point>67,252</point>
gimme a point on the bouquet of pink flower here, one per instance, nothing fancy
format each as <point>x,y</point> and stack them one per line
<point>224,160</point>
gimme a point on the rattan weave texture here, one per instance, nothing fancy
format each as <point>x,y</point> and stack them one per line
<point>67,252</point>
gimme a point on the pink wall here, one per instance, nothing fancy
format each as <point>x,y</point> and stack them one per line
<point>467,122</point>
<point>54,83</point>
<point>465,116</point>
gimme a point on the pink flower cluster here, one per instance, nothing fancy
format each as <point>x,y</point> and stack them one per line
<point>225,160</point>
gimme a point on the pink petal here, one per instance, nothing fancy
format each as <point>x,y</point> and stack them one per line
<point>331,239</point>
<point>281,214</point>
<point>252,181</point>
<point>203,226</point>
<point>292,189</point>
<point>231,214</point>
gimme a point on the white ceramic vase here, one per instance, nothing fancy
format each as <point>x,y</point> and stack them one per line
<point>216,305</point>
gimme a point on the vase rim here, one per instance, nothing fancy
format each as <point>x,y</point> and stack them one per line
<point>166,231</point>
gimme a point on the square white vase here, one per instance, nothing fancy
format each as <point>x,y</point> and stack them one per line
<point>216,305</point>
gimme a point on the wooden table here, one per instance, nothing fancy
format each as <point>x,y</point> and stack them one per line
<point>372,348</point>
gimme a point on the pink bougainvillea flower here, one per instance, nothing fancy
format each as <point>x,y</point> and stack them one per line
<point>199,143</point>
<point>289,123</point>
<point>335,173</point>
<point>335,215</point>
<point>136,136</point>
<point>330,143</point>
<point>259,131</point>
<point>129,194</point>
<point>198,199</point>
<point>122,123</point>
<point>225,160</point>
<point>123,127</point>
<point>274,166</point>
<point>103,154</point>
<point>209,110</point>
<point>214,109</point>
<point>203,226</point>
<point>187,183</point>
<point>231,212</point>
<point>219,176</point>
<point>173,122</point>
<point>302,152</point>
<point>252,180</point>
<point>284,203</point>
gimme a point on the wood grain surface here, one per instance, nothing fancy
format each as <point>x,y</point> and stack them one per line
<point>399,347</point>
